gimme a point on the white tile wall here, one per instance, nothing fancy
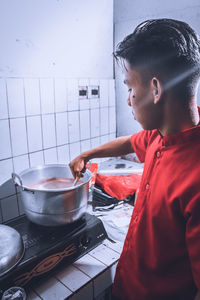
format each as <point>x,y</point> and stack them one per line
<point>95,142</point>
<point>104,139</point>
<point>18,136</point>
<point>74,127</point>
<point>84,103</point>
<point>94,102</point>
<point>62,128</point>
<point>85,124</point>
<point>3,102</point>
<point>85,145</point>
<point>36,158</point>
<point>47,95</point>
<point>63,154</point>
<point>6,168</point>
<point>15,90</point>
<point>95,124</point>
<point>5,148</point>
<point>43,121</point>
<point>112,119</point>
<point>103,92</point>
<point>104,129</point>
<point>75,150</point>
<point>111,92</point>
<point>32,96</point>
<point>50,156</point>
<point>34,130</point>
<point>20,163</point>
<point>60,94</point>
<point>49,131</point>
<point>72,95</point>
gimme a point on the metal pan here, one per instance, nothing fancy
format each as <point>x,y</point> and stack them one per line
<point>11,248</point>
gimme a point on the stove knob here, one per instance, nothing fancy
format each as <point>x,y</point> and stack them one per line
<point>85,241</point>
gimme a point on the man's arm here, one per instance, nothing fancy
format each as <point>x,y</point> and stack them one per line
<point>117,147</point>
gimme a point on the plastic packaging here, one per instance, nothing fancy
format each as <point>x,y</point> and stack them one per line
<point>14,293</point>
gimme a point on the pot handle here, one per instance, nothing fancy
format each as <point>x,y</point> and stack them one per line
<point>18,181</point>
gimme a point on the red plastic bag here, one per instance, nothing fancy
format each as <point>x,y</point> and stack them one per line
<point>119,187</point>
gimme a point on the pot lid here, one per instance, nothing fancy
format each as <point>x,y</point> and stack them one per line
<point>11,248</point>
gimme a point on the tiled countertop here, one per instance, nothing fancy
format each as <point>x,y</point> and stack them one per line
<point>85,279</point>
<point>88,277</point>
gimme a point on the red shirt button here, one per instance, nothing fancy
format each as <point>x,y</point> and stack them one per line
<point>158,154</point>
<point>147,186</point>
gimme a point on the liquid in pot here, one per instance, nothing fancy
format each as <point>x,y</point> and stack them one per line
<point>54,183</point>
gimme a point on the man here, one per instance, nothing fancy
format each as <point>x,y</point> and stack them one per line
<point>161,254</point>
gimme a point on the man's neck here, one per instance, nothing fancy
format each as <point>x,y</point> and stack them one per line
<point>179,117</point>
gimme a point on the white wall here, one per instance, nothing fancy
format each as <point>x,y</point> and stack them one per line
<point>127,15</point>
<point>50,48</point>
<point>70,38</point>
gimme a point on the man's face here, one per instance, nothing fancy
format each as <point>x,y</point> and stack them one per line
<point>141,99</point>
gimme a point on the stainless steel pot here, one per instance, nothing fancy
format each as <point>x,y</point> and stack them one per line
<point>11,248</point>
<point>52,207</point>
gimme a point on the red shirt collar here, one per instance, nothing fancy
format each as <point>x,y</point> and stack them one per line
<point>181,137</point>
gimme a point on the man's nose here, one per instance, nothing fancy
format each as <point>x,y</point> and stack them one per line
<point>128,100</point>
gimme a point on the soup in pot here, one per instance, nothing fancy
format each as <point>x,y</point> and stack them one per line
<point>54,183</point>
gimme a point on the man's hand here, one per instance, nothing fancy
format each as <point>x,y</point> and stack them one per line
<point>78,166</point>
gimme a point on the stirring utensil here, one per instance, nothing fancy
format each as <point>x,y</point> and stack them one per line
<point>75,181</point>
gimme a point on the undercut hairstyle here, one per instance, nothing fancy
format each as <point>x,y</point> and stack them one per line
<point>167,49</point>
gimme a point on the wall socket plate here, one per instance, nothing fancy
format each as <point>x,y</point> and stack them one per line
<point>93,91</point>
<point>83,92</point>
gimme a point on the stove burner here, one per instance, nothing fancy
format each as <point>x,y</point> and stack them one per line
<point>46,247</point>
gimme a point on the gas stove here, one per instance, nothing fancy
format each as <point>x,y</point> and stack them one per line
<point>47,247</point>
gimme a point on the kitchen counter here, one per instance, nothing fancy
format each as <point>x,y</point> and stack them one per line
<point>91,276</point>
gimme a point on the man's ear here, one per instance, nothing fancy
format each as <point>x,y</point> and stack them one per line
<point>157,89</point>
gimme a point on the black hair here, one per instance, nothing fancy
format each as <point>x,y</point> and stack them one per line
<point>166,48</point>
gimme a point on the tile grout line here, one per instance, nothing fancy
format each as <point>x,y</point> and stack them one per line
<point>54,95</point>
<point>41,120</point>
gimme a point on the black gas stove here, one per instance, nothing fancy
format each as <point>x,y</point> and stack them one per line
<point>47,247</point>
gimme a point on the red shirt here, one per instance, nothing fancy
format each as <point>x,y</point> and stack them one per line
<point>161,254</point>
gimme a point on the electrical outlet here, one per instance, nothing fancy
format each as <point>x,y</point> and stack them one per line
<point>93,91</point>
<point>83,92</point>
